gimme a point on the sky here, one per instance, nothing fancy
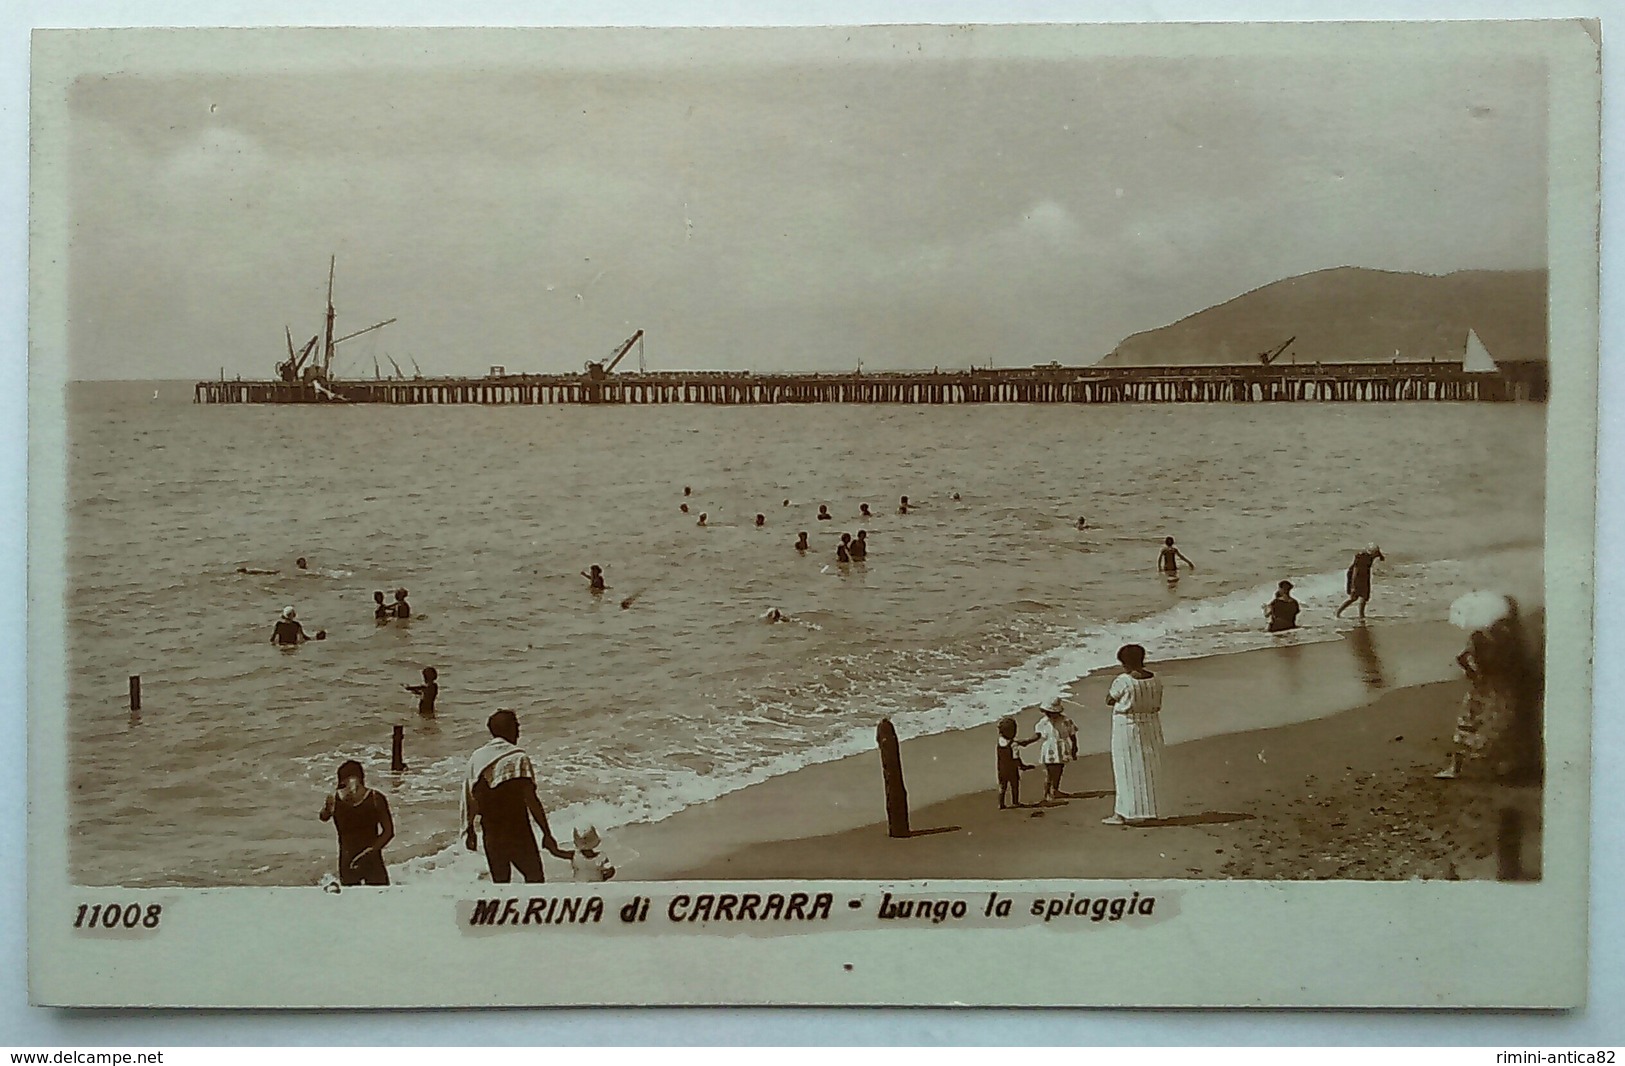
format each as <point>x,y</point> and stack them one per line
<point>789,202</point>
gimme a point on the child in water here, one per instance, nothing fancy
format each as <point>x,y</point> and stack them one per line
<point>428,691</point>
<point>381,611</point>
<point>587,864</point>
<point>1009,762</point>
<point>1281,612</point>
<point>801,544</point>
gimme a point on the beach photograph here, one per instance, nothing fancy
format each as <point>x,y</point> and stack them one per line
<point>882,454</point>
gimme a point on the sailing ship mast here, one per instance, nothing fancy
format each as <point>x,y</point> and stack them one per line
<point>327,348</point>
<point>331,342</point>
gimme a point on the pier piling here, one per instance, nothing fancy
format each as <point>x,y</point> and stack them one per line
<point>396,762</point>
<point>135,692</point>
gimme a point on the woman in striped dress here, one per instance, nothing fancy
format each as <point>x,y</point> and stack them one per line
<point>1136,700</point>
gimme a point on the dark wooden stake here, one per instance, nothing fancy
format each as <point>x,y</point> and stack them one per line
<point>396,762</point>
<point>891,766</point>
<point>1509,846</point>
<point>135,692</point>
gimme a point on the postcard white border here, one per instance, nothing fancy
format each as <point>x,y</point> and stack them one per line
<point>36,790</point>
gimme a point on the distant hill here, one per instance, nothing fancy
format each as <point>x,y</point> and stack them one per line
<point>1353,315</point>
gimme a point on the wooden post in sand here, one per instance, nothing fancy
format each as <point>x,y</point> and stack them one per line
<point>891,766</point>
<point>1509,846</point>
<point>396,762</point>
<point>135,692</point>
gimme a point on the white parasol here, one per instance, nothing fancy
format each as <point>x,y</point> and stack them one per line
<point>1479,610</point>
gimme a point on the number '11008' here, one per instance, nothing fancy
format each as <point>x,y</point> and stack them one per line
<point>115,916</point>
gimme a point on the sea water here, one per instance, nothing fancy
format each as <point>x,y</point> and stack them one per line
<point>966,608</point>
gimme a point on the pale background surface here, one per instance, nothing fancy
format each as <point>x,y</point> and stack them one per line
<point>45,1027</point>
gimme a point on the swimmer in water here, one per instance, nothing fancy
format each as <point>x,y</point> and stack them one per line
<point>1081,523</point>
<point>773,614</point>
<point>842,556</point>
<point>863,511</point>
<point>595,580</point>
<point>956,497</point>
<point>255,570</point>
<point>381,612</point>
<point>846,542</point>
<point>301,564</point>
<point>1169,558</point>
<point>402,608</point>
<point>289,631</point>
<point>823,513</point>
<point>902,506</point>
<point>859,549</point>
<point>687,490</point>
<point>426,692</point>
<point>801,543</point>
<point>761,520</point>
<point>786,503</point>
<point>701,522</point>
<point>683,507</point>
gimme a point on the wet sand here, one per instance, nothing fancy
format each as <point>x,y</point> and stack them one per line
<point>1336,784</point>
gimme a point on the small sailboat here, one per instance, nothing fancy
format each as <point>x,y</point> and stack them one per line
<point>1477,359</point>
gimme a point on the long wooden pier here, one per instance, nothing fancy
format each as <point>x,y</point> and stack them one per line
<point>1329,382</point>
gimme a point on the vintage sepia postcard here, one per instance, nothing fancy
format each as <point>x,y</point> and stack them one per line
<point>1033,515</point>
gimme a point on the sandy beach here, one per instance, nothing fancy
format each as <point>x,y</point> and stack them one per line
<point>1334,780</point>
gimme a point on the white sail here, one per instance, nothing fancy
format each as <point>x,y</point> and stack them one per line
<point>1477,360</point>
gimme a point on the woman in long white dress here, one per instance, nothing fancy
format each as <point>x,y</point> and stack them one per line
<point>1136,701</point>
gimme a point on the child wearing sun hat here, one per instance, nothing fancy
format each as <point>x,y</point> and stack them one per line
<point>588,863</point>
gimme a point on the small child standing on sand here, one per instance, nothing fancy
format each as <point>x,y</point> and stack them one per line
<point>1010,764</point>
<point>587,864</point>
<point>1060,737</point>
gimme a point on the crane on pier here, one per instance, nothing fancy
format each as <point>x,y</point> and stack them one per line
<point>1267,358</point>
<point>291,368</point>
<point>598,371</point>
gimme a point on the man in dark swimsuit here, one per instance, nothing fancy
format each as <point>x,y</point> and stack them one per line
<point>859,549</point>
<point>361,816</point>
<point>1169,558</point>
<point>287,629</point>
<point>504,809</point>
<point>402,608</point>
<point>1358,581</point>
